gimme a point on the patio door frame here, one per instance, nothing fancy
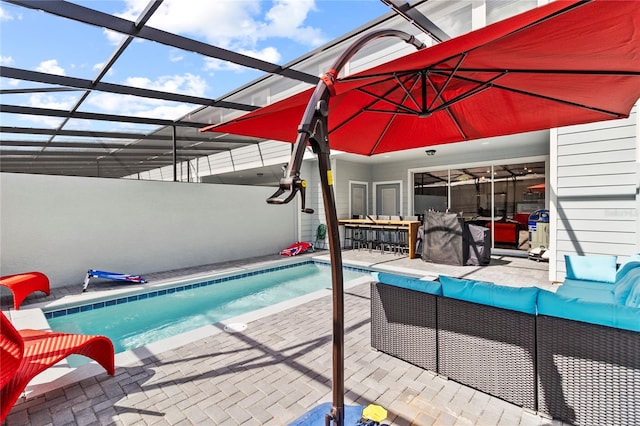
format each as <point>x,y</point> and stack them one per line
<point>489,163</point>
<point>399,195</point>
<point>366,196</point>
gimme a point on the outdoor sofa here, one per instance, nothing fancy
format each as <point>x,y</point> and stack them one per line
<point>568,358</point>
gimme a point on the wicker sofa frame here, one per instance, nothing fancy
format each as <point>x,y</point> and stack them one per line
<point>580,373</point>
<point>405,324</point>
<point>488,348</point>
<point>588,374</point>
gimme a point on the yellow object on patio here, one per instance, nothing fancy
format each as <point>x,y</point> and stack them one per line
<point>374,412</point>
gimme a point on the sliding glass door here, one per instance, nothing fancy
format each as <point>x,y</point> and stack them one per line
<point>497,196</point>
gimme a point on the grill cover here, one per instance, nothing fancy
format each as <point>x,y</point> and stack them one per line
<point>477,245</point>
<point>443,238</point>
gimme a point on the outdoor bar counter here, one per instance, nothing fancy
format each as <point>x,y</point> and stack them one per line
<point>410,226</point>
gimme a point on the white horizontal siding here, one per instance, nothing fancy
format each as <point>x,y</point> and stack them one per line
<point>592,248</point>
<point>606,157</point>
<point>627,226</point>
<point>599,140</point>
<point>604,191</point>
<point>596,190</point>
<point>598,169</point>
<point>597,235</point>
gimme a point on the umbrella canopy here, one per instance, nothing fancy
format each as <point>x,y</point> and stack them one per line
<point>568,62</point>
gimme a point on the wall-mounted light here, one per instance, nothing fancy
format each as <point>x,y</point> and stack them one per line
<point>430,152</point>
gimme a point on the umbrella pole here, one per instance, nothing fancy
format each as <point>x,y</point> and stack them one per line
<point>313,129</point>
<point>337,411</point>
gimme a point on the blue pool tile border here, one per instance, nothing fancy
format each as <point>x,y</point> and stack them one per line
<point>155,293</point>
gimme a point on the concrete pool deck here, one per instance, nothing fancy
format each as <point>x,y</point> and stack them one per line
<point>276,369</point>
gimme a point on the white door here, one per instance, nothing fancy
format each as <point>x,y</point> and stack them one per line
<point>388,199</point>
<point>358,199</point>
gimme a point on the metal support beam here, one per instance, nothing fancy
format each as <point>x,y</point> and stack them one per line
<point>413,15</point>
<point>81,83</point>
<point>175,154</point>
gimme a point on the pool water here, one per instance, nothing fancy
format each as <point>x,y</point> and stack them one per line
<point>137,323</point>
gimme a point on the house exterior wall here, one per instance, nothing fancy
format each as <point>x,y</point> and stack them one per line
<point>63,226</point>
<point>594,200</point>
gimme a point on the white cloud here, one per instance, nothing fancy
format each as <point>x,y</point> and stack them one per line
<point>147,107</point>
<point>50,67</point>
<point>53,101</point>
<point>100,65</point>
<point>167,112</point>
<point>286,19</point>
<point>44,100</point>
<point>6,60</point>
<point>114,37</point>
<point>6,16</point>
<point>269,54</point>
<point>176,55</point>
<point>232,24</point>
<point>139,107</point>
<point>188,84</point>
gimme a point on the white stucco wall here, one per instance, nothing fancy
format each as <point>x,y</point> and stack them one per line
<point>63,226</point>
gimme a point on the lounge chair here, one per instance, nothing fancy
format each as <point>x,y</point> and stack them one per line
<point>22,285</point>
<point>26,353</point>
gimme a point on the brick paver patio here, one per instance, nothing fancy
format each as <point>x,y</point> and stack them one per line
<point>269,374</point>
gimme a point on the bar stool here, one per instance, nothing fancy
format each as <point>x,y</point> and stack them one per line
<point>374,237</point>
<point>360,236</point>
<point>403,240</point>
<point>348,236</point>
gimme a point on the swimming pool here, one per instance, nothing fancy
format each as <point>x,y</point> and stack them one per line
<point>137,320</point>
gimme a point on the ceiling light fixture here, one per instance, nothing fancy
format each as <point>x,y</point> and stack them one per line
<point>430,152</point>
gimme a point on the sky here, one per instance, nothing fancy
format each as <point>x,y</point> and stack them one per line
<point>277,31</point>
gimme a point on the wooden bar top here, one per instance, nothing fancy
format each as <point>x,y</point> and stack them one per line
<point>375,222</point>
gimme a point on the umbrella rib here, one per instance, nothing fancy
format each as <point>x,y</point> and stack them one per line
<point>386,128</point>
<point>395,104</point>
<point>457,124</point>
<point>489,83</point>
<point>408,91</point>
<point>448,80</point>
<point>621,73</point>
<point>479,88</point>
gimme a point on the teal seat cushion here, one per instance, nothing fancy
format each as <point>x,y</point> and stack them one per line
<point>630,262</point>
<point>522,299</point>
<point>599,294</point>
<point>633,299</point>
<point>591,268</point>
<point>608,314</point>
<point>410,283</point>
<point>595,285</point>
<point>629,277</point>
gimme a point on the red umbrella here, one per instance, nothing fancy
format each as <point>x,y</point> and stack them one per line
<point>568,62</point>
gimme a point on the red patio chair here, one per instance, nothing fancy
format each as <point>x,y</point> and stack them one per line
<point>26,353</point>
<point>22,285</point>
